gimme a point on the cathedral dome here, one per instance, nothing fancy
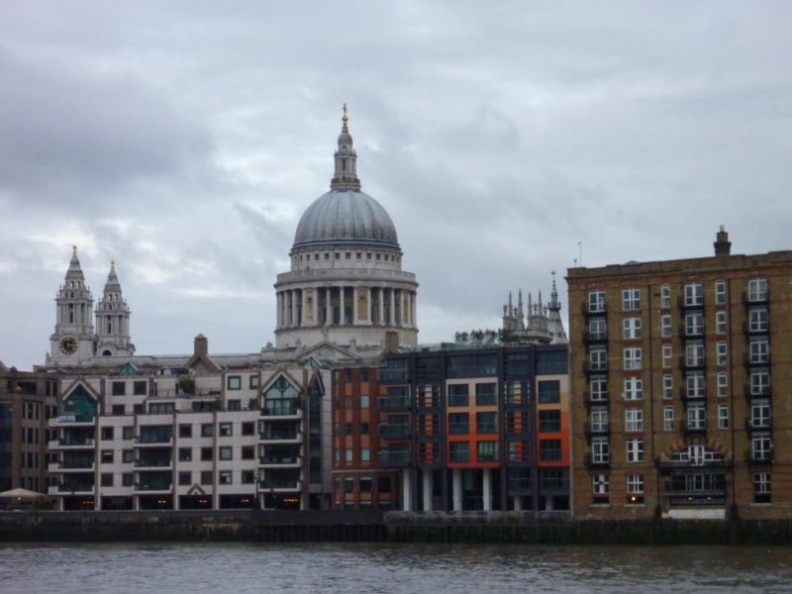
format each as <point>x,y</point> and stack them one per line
<point>346,216</point>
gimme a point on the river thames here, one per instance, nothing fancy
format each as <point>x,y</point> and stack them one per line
<point>390,568</point>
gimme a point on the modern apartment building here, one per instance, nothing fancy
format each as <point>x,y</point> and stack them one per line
<point>454,429</point>
<point>681,387</point>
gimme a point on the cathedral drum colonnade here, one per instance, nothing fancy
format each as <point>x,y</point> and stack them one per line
<point>346,283</point>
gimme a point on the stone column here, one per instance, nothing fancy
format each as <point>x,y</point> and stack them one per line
<point>517,503</point>
<point>427,490</point>
<point>381,318</point>
<point>328,306</point>
<point>406,491</point>
<point>486,488</point>
<point>456,477</point>
<point>341,317</point>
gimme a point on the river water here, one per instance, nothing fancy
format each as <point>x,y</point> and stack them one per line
<point>390,568</point>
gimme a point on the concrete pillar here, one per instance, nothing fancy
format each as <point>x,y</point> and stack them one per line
<point>456,477</point>
<point>406,490</point>
<point>517,503</point>
<point>427,490</point>
<point>486,488</point>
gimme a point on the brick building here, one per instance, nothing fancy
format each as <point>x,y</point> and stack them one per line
<point>681,387</point>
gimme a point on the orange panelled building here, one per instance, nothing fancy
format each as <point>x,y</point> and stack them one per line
<point>453,429</point>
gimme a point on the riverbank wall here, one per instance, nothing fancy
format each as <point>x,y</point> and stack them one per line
<point>375,526</point>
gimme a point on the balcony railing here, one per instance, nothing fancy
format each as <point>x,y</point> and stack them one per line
<point>393,402</point>
<point>760,457</point>
<point>757,359</point>
<point>393,430</point>
<point>394,457</point>
<point>763,424</point>
<point>757,392</point>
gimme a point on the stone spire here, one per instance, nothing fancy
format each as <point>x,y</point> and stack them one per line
<point>555,324</point>
<point>112,319</point>
<point>72,341</point>
<point>345,177</point>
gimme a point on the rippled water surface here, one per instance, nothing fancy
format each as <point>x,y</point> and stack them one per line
<point>390,568</point>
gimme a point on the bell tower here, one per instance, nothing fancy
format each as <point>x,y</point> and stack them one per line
<point>112,320</point>
<point>73,340</point>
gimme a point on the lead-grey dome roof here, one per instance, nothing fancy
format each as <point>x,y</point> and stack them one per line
<point>346,217</point>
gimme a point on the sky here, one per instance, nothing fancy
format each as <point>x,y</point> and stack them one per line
<point>510,139</point>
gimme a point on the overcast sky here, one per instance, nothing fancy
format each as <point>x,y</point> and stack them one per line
<point>184,139</point>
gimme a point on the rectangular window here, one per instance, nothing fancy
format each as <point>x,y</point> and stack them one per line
<point>723,416</point>
<point>459,451</point>
<point>760,414</point>
<point>758,319</point>
<point>633,388</point>
<point>225,477</point>
<point>760,382</point>
<point>549,421</point>
<point>185,454</point>
<point>723,384</point>
<point>721,326</point>
<point>596,301</point>
<point>720,292</point>
<point>206,454</point>
<point>364,402</point>
<point>668,418</point>
<point>696,385</point>
<point>226,429</point>
<point>600,488</point>
<point>631,328</point>
<point>694,354</point>
<point>248,477</point>
<point>127,479</point>
<point>107,433</point>
<point>207,430</point>
<point>458,423</point>
<point>597,329</point>
<point>226,453</point>
<point>694,295</point>
<point>549,450</point>
<point>139,388</point>
<point>598,359</point>
<point>635,489</point>
<point>549,391</point>
<point>635,450</point>
<point>600,450</point>
<point>254,382</point>
<point>107,456</point>
<point>665,296</point>
<point>599,419</point>
<point>234,404</point>
<point>486,394</point>
<point>234,382</point>
<point>668,387</point>
<point>761,448</point>
<point>762,487</point>
<point>667,355</point>
<point>185,431</point>
<point>632,358</point>
<point>128,456</point>
<point>757,289</point>
<point>631,299</point>
<point>665,326</point>
<point>458,395</point>
<point>487,451</point>
<point>248,453</point>
<point>486,422</point>
<point>119,388</point>
<point>599,388</point>
<point>722,353</point>
<point>185,478</point>
<point>759,351</point>
<point>633,420</point>
<point>206,477</point>
<point>696,419</point>
<point>694,324</point>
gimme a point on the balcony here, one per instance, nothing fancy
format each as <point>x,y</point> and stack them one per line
<point>153,487</point>
<point>756,297</point>
<point>594,308</point>
<point>690,301</point>
<point>697,428</point>
<point>598,462</point>
<point>590,367</point>
<point>664,463</point>
<point>81,488</point>
<point>391,375</point>
<point>764,424</point>
<point>597,429</point>
<point>757,359</point>
<point>275,460</point>
<point>282,409</point>
<point>695,395</point>
<point>79,420</point>
<point>759,458</point>
<point>394,458</point>
<point>756,328</point>
<point>598,399</point>
<point>393,430</point>
<point>153,442</point>
<point>279,486</point>
<point>519,485</point>
<point>72,443</point>
<point>393,402</point>
<point>154,463</point>
<point>594,337</point>
<point>275,433</point>
<point>687,363</point>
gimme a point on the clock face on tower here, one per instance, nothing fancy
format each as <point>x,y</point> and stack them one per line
<point>68,345</point>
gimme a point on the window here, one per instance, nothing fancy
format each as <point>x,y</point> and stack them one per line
<point>631,299</point>
<point>760,382</point>
<point>758,320</point>
<point>549,421</point>
<point>185,478</point>
<point>667,356</point>
<point>225,477</point>
<point>668,387</point>
<point>365,485</point>
<point>549,391</point>
<point>248,428</point>
<point>635,450</point>
<point>185,454</point>
<point>485,394</point>
<point>206,477</point>
<point>107,456</point>
<point>635,489</point>
<point>487,451</point>
<point>631,328</point>
<point>254,382</point>
<point>600,487</point>
<point>694,324</point>
<point>632,358</point>
<point>458,395</point>
<point>762,490</point>
<point>598,329</point>
<point>139,388</point>
<point>234,404</point>
<point>119,388</point>
<point>665,296</point>
<point>364,402</point>
<point>633,420</point>
<point>723,384</point>
<point>696,419</point>
<point>226,453</point>
<point>206,454</point>
<point>599,388</point>
<point>248,477</point>
<point>234,382</point>
<point>721,325</point>
<point>128,456</point>
<point>248,453</point>
<point>759,351</point>
<point>185,431</point>
<point>549,450</point>
<point>459,451</point>
<point>127,479</point>
<point>106,479</point>
<point>486,422</point>
<point>665,326</point>
<point>757,289</point>
<point>348,456</point>
<point>761,448</point>
<point>226,429</point>
<point>694,354</point>
<point>207,430</point>
<point>107,433</point>
<point>596,301</point>
<point>722,353</point>
<point>600,450</point>
<point>598,359</point>
<point>694,294</point>
<point>720,292</point>
<point>599,419</point>
<point>723,416</point>
<point>760,414</point>
<point>633,388</point>
<point>696,385</point>
<point>458,423</point>
<point>668,418</point>
<point>365,455</point>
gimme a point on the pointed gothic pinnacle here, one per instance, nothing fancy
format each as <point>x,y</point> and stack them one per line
<point>74,251</point>
<point>345,120</point>
<point>112,267</point>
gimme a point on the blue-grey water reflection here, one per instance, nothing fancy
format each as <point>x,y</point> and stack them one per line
<point>390,568</point>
